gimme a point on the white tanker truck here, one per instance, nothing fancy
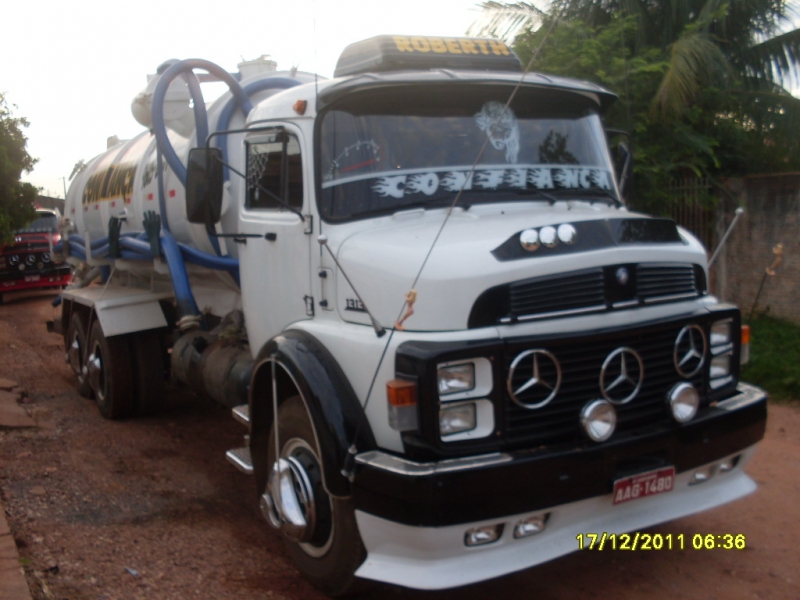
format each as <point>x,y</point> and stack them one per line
<point>456,352</point>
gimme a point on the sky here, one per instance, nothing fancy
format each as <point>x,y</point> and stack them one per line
<point>72,68</point>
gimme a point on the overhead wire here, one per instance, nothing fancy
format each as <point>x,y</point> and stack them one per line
<point>347,470</point>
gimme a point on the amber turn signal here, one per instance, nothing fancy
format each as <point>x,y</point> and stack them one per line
<point>401,392</point>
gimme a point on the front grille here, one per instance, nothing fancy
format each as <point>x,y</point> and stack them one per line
<point>588,290</point>
<point>543,295</point>
<point>581,362</point>
<point>658,282</point>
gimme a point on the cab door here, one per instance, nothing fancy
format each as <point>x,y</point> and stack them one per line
<point>275,250</point>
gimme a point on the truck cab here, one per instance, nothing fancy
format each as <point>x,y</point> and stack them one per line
<point>27,263</point>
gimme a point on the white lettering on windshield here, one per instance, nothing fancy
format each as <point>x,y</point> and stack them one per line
<point>540,177</point>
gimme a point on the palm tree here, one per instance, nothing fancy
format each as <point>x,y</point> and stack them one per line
<point>746,43</point>
<point>703,84</point>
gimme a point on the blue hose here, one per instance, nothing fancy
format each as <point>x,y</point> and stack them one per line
<point>160,94</point>
<point>180,278</point>
<point>226,114</point>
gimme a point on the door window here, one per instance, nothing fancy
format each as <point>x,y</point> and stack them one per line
<point>274,172</point>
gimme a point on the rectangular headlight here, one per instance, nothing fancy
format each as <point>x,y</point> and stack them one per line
<point>457,418</point>
<point>721,333</point>
<point>451,379</point>
<point>720,366</point>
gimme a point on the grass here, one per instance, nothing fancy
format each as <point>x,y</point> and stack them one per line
<point>774,357</point>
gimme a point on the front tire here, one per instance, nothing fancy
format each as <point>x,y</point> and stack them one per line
<point>334,549</point>
<point>110,374</point>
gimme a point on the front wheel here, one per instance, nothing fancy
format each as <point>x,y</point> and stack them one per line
<point>320,532</point>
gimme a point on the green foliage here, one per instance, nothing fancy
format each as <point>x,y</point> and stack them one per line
<point>16,197</point>
<point>774,357</point>
<point>699,82</point>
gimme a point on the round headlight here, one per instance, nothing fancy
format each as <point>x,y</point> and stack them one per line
<point>548,236</point>
<point>683,402</point>
<point>599,419</point>
<point>529,239</point>
<point>567,233</point>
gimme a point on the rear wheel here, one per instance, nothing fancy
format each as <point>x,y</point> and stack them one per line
<point>324,542</point>
<point>75,343</point>
<point>110,374</point>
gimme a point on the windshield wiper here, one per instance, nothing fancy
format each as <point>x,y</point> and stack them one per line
<point>534,192</point>
<point>595,192</point>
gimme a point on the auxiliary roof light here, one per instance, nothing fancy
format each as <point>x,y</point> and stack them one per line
<point>548,236</point>
<point>529,240</point>
<point>567,233</point>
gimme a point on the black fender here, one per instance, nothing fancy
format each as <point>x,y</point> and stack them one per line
<point>304,367</point>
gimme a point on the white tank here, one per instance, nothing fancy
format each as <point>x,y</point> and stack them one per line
<point>122,182</point>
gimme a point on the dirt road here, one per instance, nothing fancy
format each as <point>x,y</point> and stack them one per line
<point>150,509</point>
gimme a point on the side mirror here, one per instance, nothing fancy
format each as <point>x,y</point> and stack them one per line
<point>204,186</point>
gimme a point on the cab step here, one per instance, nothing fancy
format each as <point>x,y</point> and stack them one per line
<point>242,414</point>
<point>241,459</point>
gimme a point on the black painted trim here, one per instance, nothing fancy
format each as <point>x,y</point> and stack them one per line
<point>539,479</point>
<point>596,235</point>
<point>327,394</point>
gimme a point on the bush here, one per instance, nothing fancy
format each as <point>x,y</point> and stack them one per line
<point>774,357</point>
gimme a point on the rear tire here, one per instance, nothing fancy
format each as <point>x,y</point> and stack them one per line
<point>75,343</point>
<point>335,551</point>
<point>148,362</point>
<point>110,374</point>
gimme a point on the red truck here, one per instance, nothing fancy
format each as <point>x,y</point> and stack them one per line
<point>27,263</point>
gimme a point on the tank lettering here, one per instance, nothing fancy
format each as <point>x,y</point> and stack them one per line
<point>114,182</point>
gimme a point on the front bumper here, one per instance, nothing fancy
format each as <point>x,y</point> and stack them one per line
<point>413,516</point>
<point>57,277</point>
<point>464,490</point>
<point>436,557</point>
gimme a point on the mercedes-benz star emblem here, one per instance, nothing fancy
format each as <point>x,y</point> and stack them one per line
<point>622,375</point>
<point>622,276</point>
<point>690,350</point>
<point>534,378</point>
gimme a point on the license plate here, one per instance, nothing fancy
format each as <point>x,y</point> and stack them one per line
<point>643,485</point>
<point>32,277</point>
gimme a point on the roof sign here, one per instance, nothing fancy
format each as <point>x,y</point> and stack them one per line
<point>398,52</point>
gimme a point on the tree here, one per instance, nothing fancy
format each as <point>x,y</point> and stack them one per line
<point>700,82</point>
<point>16,197</point>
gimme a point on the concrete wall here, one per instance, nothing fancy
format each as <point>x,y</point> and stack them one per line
<point>772,205</point>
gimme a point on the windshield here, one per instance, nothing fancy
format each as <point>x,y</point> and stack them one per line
<point>44,223</point>
<point>391,149</point>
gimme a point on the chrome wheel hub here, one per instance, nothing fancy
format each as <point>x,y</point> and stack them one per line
<point>94,371</point>
<point>288,503</point>
<point>74,356</point>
